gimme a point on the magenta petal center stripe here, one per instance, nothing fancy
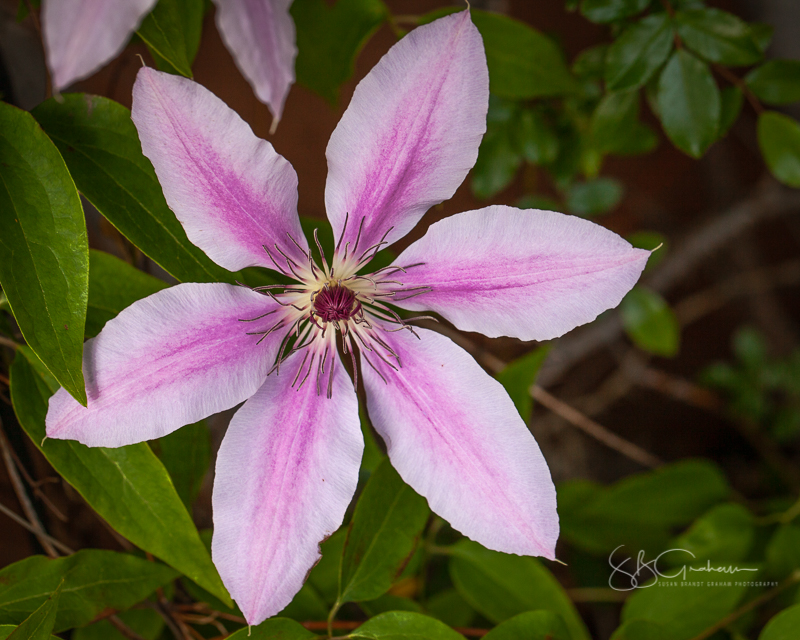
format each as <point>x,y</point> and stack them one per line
<point>168,360</point>
<point>231,191</point>
<point>530,274</point>
<point>286,472</point>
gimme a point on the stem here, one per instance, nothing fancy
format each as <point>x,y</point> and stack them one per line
<point>597,431</point>
<point>742,85</point>
<point>24,523</point>
<point>9,343</point>
<point>793,579</point>
<point>332,616</point>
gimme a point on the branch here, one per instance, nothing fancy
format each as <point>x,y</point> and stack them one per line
<point>24,523</point>
<point>22,496</point>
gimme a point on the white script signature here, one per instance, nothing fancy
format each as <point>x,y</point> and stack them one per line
<point>645,574</point>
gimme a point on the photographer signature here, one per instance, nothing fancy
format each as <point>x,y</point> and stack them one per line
<point>646,573</point>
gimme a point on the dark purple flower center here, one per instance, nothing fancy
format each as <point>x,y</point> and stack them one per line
<point>335,303</point>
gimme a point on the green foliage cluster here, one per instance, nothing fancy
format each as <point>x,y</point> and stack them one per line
<point>393,563</point>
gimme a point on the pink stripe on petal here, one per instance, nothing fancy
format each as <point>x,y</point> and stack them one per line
<point>260,35</point>
<point>170,359</point>
<point>286,471</point>
<point>454,435</point>
<point>80,36</point>
<point>411,132</point>
<point>532,275</point>
<point>231,191</point>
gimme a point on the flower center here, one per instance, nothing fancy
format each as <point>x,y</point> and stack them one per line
<point>335,302</point>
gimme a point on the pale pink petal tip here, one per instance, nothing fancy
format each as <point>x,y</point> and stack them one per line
<point>260,35</point>
<point>410,134</point>
<point>80,36</point>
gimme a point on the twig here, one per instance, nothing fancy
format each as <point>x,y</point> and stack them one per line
<point>123,628</point>
<point>24,523</point>
<point>737,82</point>
<point>770,200</point>
<point>36,484</point>
<point>695,395</point>
<point>8,343</point>
<point>22,496</point>
<point>793,579</point>
<point>595,430</point>
<point>700,304</point>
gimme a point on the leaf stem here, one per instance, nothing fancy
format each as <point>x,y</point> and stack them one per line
<point>332,616</point>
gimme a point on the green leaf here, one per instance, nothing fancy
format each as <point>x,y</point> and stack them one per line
<point>611,10</point>
<point>44,260</point>
<point>638,53</point>
<point>592,198</point>
<point>404,625</point>
<point>113,286</point>
<point>533,625</point>
<point>306,605</point>
<point>639,630</point>
<point>163,32</point>
<point>499,156</point>
<point>386,525</point>
<point>324,577</point>
<point>783,626</point>
<point>274,629</point>
<point>330,37</point>
<point>101,148</point>
<point>718,36</point>
<point>500,586</point>
<point>779,139</point>
<point>762,33</point>
<point>650,323</point>
<point>640,510</point>
<point>450,607</point>
<point>776,82</point>
<point>537,140</point>
<point>724,534</point>
<point>615,124</point>
<point>519,376</point>
<point>93,580</point>
<point>731,99</point>
<point>783,551</point>
<point>39,624</point>
<point>146,622</point>
<point>389,602</point>
<point>523,63</point>
<point>689,103</point>
<point>186,454</point>
<point>7,629</point>
<point>127,486</point>
<point>684,611</point>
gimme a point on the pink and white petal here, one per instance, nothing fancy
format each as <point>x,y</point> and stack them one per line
<point>410,134</point>
<point>532,275</point>
<point>454,435</point>
<point>286,472</point>
<point>172,358</point>
<point>231,191</point>
<point>80,36</point>
<point>260,35</point>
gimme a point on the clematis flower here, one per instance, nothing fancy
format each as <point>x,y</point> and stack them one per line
<point>80,36</point>
<point>288,466</point>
